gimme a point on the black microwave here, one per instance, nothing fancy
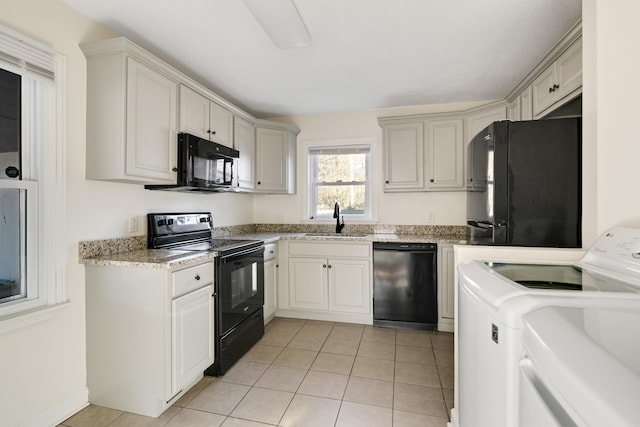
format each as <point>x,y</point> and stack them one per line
<point>203,166</point>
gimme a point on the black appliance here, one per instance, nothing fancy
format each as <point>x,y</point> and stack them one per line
<point>524,186</point>
<point>405,292</point>
<point>239,280</point>
<point>203,166</point>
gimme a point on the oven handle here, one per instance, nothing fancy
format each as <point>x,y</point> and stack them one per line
<point>235,255</point>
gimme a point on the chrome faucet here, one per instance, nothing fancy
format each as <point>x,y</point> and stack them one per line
<point>336,215</point>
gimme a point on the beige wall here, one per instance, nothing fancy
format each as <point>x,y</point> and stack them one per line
<point>44,365</point>
<point>612,62</point>
<point>449,208</point>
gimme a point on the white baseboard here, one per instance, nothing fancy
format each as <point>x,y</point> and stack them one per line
<point>56,414</point>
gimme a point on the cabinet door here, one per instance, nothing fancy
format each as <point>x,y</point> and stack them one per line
<point>151,123</point>
<point>245,143</point>
<point>270,288</point>
<point>542,90</point>
<point>446,285</point>
<point>192,329</point>
<point>194,113</point>
<point>445,150</point>
<point>526,105</point>
<point>404,156</point>
<point>271,160</point>
<point>349,286</point>
<point>220,125</point>
<point>308,283</point>
<point>569,69</point>
<point>513,110</point>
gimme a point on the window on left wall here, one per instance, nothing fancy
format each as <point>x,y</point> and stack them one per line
<point>30,177</point>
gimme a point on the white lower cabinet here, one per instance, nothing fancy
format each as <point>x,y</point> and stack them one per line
<point>271,268</point>
<point>446,287</point>
<point>326,281</point>
<point>349,286</point>
<point>192,341</point>
<point>149,334</point>
<point>308,283</point>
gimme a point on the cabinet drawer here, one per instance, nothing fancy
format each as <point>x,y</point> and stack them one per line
<point>356,250</point>
<point>184,281</point>
<point>270,251</point>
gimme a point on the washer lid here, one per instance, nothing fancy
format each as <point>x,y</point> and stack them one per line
<point>561,278</point>
<point>588,358</point>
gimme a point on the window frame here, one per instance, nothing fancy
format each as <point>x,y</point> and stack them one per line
<point>310,187</point>
<point>42,71</point>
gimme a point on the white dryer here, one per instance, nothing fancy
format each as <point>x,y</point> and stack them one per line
<point>492,299</point>
<point>581,367</point>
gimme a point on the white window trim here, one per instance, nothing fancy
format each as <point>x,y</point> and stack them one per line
<point>22,55</point>
<point>337,142</point>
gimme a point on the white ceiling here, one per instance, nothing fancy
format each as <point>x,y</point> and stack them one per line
<point>365,54</point>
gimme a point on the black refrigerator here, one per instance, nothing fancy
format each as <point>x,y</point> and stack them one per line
<point>524,184</point>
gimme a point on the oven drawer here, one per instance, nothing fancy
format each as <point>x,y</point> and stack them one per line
<point>185,281</point>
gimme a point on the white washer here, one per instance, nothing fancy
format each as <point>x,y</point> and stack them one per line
<point>581,367</point>
<point>492,299</point>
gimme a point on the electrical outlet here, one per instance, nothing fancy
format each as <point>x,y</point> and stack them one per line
<point>133,224</point>
<point>431,217</point>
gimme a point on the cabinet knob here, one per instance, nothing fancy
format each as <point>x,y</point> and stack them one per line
<point>431,180</point>
<point>259,183</point>
<point>175,169</point>
<point>197,277</point>
<point>208,130</point>
<point>277,266</point>
<point>324,265</point>
<point>329,266</point>
<point>386,182</point>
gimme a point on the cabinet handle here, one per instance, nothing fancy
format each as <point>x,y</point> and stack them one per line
<point>197,277</point>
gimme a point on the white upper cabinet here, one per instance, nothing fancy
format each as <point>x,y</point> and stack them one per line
<point>559,82</point>
<point>526,105</point>
<point>275,158</point>
<point>245,142</point>
<point>480,118</point>
<point>131,115</point>
<point>202,117</point>
<point>445,151</point>
<point>403,156</point>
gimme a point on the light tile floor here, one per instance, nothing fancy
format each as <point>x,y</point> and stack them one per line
<point>308,373</point>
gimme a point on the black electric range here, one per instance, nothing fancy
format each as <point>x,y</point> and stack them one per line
<point>239,280</point>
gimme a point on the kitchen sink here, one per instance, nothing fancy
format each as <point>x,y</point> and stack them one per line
<point>335,235</point>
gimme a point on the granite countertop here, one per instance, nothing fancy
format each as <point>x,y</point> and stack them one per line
<point>131,253</point>
<point>346,237</point>
<point>151,258</point>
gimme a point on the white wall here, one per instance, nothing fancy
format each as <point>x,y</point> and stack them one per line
<point>611,108</point>
<point>44,364</point>
<point>392,208</point>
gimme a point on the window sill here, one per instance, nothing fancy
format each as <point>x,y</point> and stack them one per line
<point>27,318</point>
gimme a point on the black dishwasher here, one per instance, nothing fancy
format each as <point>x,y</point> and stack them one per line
<point>405,292</point>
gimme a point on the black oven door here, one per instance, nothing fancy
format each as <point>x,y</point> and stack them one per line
<point>240,287</point>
